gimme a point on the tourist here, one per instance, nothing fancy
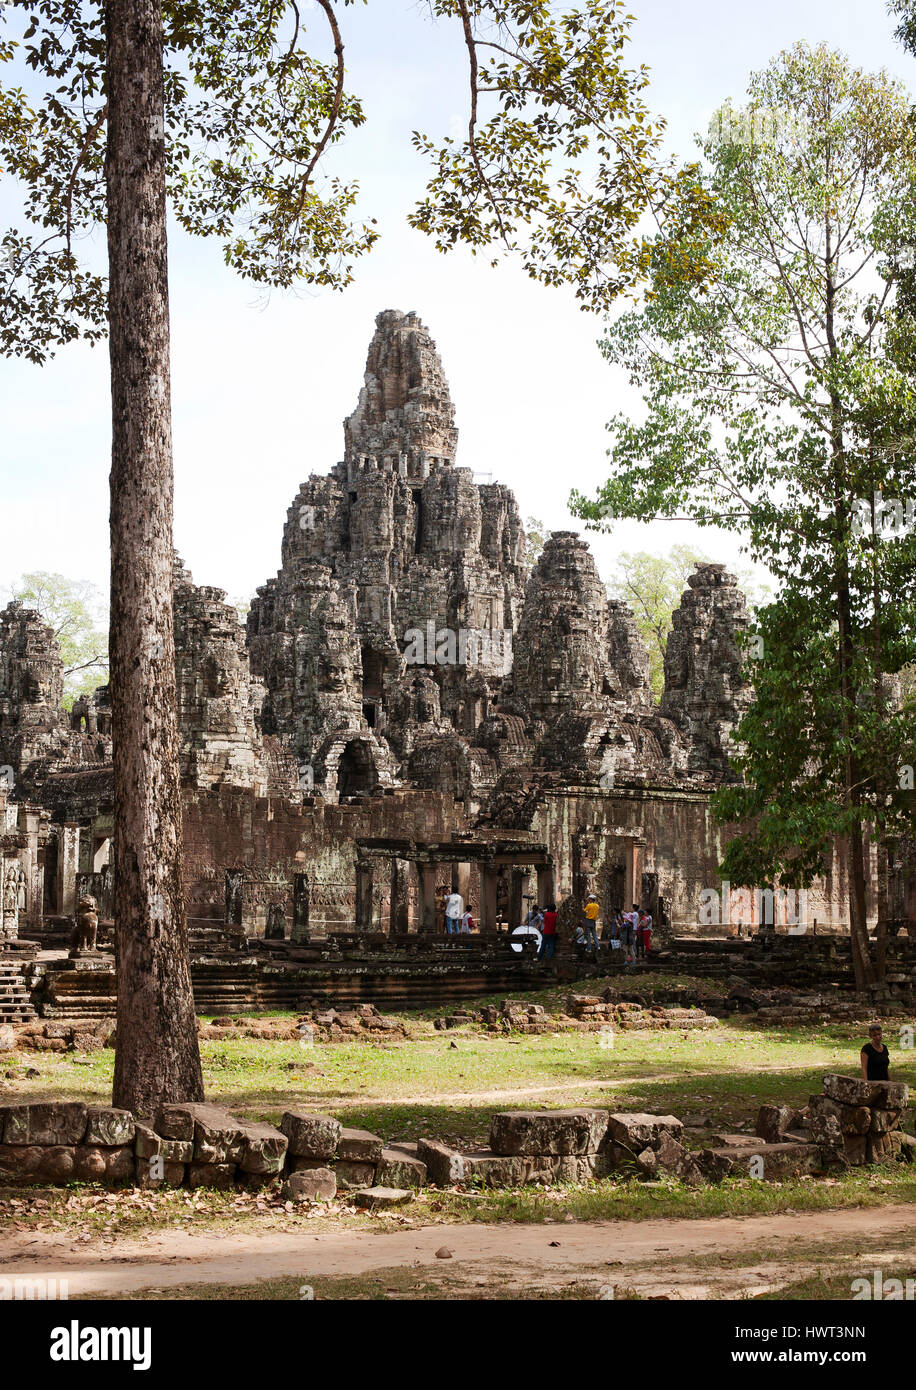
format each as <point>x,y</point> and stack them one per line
<point>874,1056</point>
<point>454,908</point>
<point>630,920</point>
<point>615,931</point>
<point>535,918</point>
<point>467,921</point>
<point>590,923</point>
<point>644,936</point>
<point>441,895</point>
<point>548,933</point>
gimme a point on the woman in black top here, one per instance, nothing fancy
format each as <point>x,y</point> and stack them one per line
<point>875,1057</point>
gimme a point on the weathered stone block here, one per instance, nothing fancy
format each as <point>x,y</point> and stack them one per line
<point>311,1136</point>
<point>771,1162</point>
<point>880,1095</point>
<point>639,1131</point>
<point>883,1148</point>
<point>854,1148</point>
<point>400,1168</point>
<point>375,1198</point>
<point>315,1185</point>
<point>444,1165</point>
<point>220,1175</point>
<point>57,1164</point>
<point>175,1122</point>
<point>772,1122</point>
<point>548,1131</point>
<point>497,1170</point>
<point>89,1164</point>
<point>263,1150</point>
<point>882,1121</point>
<point>18,1161</point>
<point>354,1174</point>
<point>44,1123</point>
<point>359,1146</point>
<point>109,1127</point>
<point>173,1174</point>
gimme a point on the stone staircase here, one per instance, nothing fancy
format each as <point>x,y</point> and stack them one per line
<point>15,1004</point>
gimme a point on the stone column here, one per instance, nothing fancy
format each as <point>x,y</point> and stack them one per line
<point>301,908</point>
<point>30,822</point>
<point>68,859</point>
<point>427,874</point>
<point>400,897</point>
<point>489,876</point>
<point>363,895</point>
<point>546,885</point>
<point>516,885</point>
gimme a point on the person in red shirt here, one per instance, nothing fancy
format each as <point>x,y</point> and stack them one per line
<point>548,933</point>
<point>644,935</point>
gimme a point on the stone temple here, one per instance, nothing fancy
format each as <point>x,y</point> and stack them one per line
<point>408,704</point>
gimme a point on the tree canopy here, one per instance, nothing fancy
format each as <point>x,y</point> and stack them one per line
<point>780,404</point>
<point>560,165</point>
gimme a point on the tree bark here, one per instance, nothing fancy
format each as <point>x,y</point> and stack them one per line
<point>157,1057</point>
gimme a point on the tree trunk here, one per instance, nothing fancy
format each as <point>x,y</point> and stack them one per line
<point>157,1058</point>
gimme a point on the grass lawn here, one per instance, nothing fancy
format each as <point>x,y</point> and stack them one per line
<point>447,1084</point>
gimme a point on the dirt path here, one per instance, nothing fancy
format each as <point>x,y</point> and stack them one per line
<point>673,1258</point>
<point>596,1084</point>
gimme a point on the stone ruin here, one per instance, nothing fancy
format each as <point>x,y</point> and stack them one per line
<point>402,675</point>
<point>312,1157</point>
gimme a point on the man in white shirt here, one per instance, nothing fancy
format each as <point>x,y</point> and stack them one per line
<point>454,910</point>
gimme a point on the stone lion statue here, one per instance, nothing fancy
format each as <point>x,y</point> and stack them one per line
<point>86,929</point>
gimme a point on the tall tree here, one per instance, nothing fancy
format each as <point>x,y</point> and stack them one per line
<point>222,110</point>
<point>778,406</point>
<point>156,1019</point>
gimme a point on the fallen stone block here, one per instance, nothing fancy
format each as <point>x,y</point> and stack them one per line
<point>854,1147</point>
<point>263,1149</point>
<point>354,1174</point>
<point>175,1122</point>
<point>219,1175</point>
<point>376,1198</point>
<point>770,1162</point>
<point>400,1168</point>
<point>92,1163</point>
<point>314,1185</point>
<point>18,1162</point>
<point>109,1127</point>
<point>639,1131</point>
<point>852,1119</point>
<point>877,1095</point>
<point>148,1144</point>
<point>44,1123</point>
<point>444,1165</point>
<point>883,1121</point>
<point>311,1136</point>
<point>173,1174</point>
<point>548,1131</point>
<point>772,1122</point>
<point>359,1146</point>
<point>883,1148</point>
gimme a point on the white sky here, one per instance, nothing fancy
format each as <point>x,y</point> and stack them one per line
<point>259,393</point>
